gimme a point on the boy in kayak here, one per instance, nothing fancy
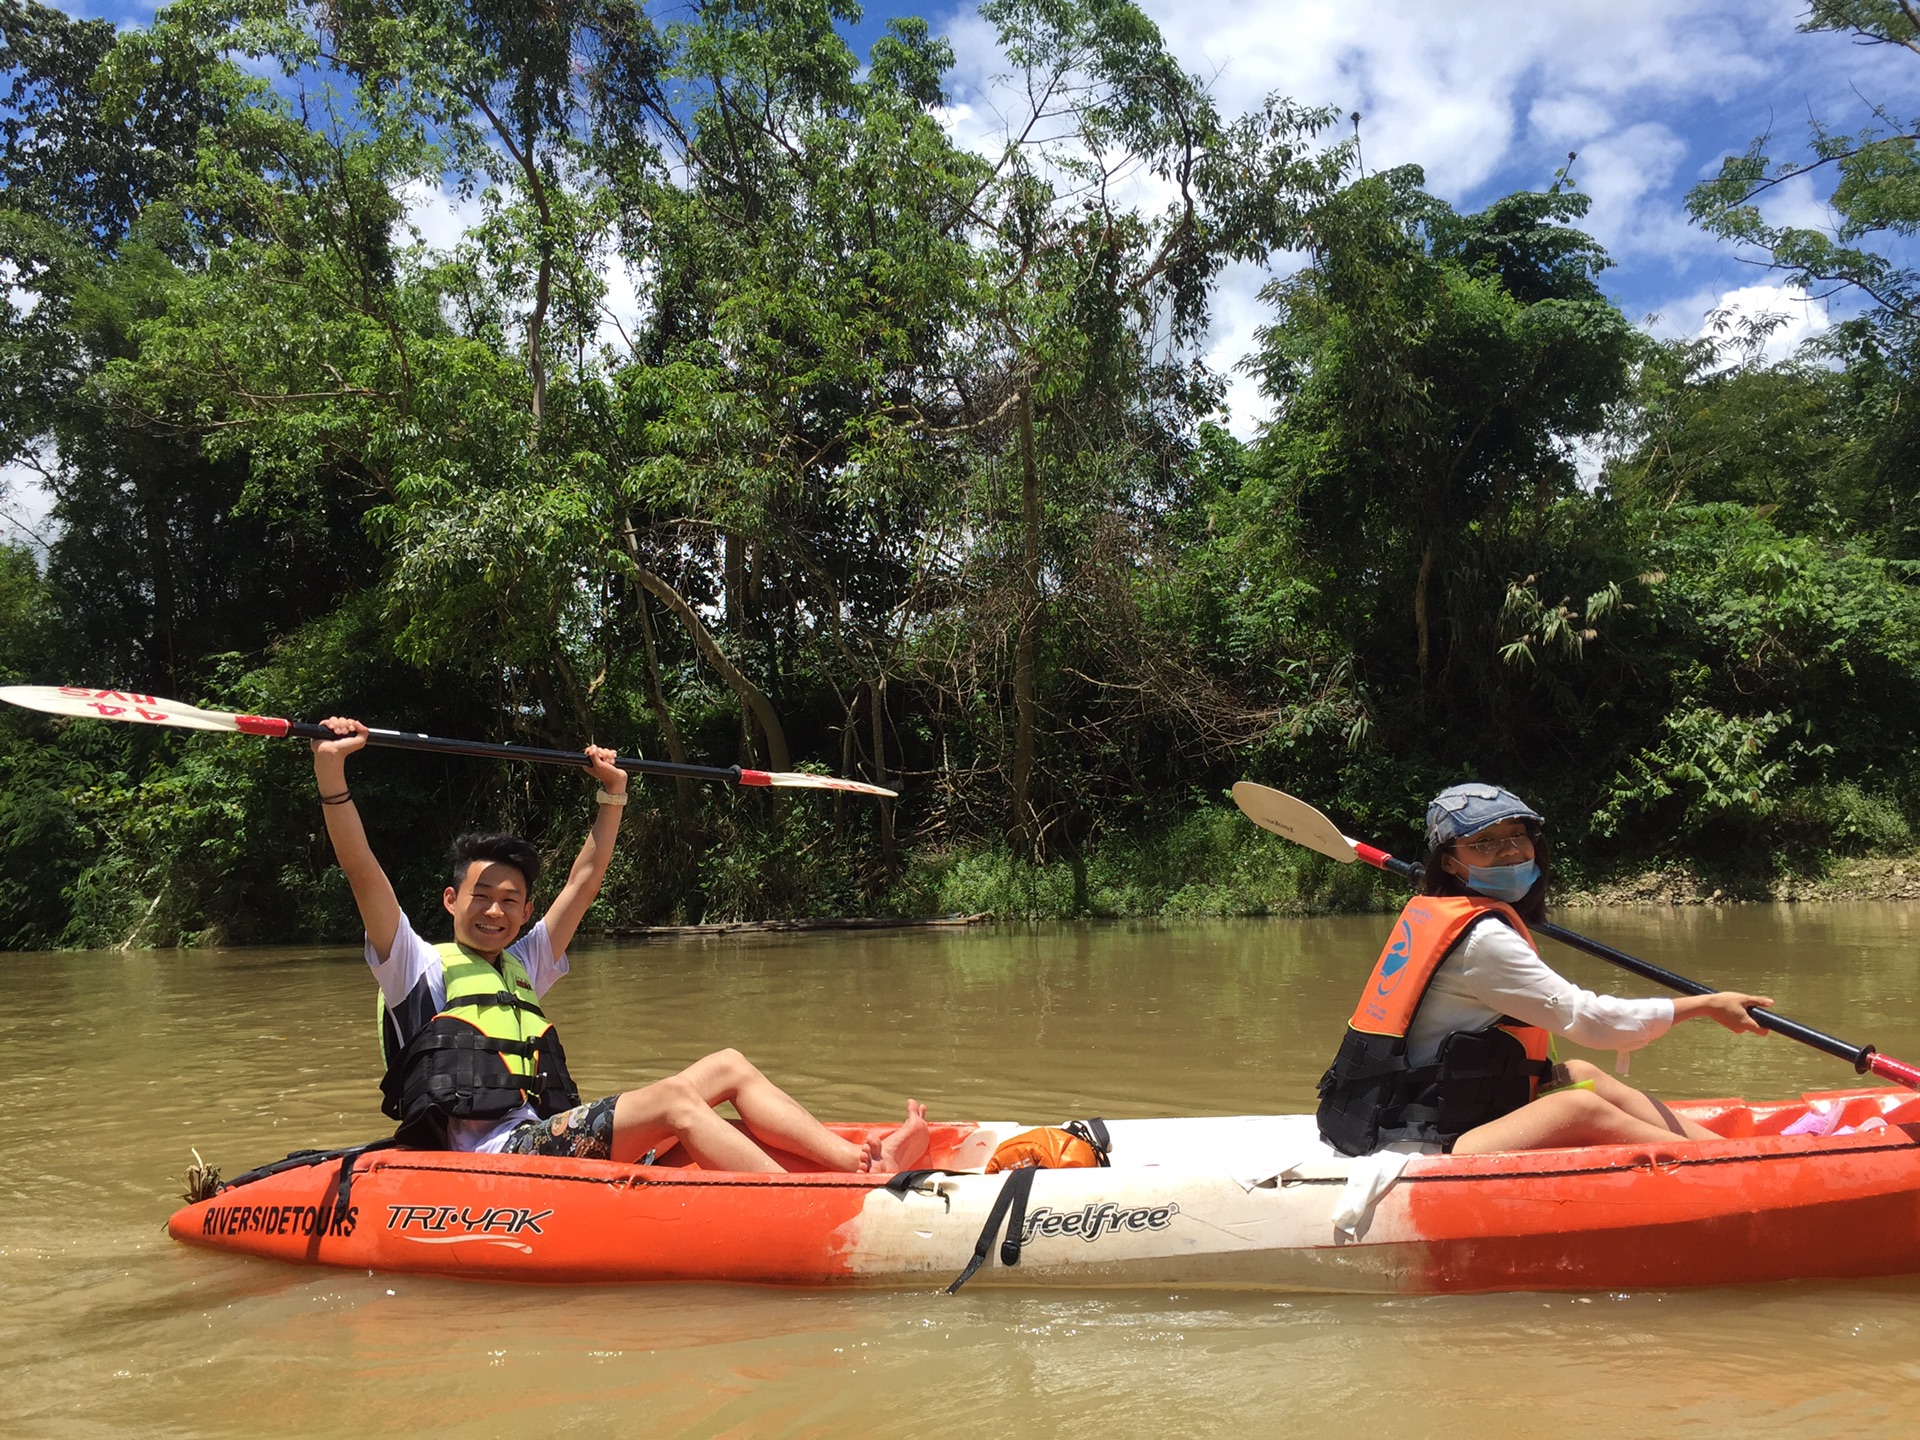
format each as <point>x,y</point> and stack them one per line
<point>472,1063</point>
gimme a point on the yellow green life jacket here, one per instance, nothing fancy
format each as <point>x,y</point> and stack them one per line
<point>489,1050</point>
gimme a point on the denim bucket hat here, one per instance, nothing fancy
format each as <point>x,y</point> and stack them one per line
<point>1462,810</point>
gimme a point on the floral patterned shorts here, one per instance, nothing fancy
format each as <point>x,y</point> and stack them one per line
<point>584,1132</point>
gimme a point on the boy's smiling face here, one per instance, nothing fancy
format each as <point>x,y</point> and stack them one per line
<point>489,906</point>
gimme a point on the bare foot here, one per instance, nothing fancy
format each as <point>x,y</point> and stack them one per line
<point>905,1145</point>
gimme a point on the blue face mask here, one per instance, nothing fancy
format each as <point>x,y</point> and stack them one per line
<point>1503,882</point>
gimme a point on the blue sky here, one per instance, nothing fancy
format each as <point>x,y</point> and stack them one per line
<point>1489,97</point>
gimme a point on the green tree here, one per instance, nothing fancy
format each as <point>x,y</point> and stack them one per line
<point>1088,390</point>
<point>1431,373</point>
<point>1873,193</point>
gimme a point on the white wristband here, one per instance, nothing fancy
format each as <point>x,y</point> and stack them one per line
<point>607,797</point>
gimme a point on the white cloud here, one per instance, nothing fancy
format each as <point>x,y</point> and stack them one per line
<point>25,508</point>
<point>1455,88</point>
<point>1799,316</point>
<point>1237,313</point>
<point>1491,96</point>
<point>1793,202</point>
<point>954,118</point>
<point>1628,172</point>
<point>1463,91</point>
<point>1569,119</point>
<point>439,216</point>
<point>621,308</point>
<point>1719,310</point>
<point>20,300</point>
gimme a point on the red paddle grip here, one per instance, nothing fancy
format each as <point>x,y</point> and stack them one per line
<point>261,725</point>
<point>1373,855</point>
<point>755,777</point>
<point>1888,1068</point>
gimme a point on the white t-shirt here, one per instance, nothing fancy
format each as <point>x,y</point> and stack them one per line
<point>1493,972</point>
<point>412,964</point>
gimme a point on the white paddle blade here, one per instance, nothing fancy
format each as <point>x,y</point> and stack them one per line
<point>1279,812</point>
<point>794,780</point>
<point>115,705</point>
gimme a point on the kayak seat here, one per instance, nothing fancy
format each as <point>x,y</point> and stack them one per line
<point>949,1147</point>
<point>1730,1120</point>
<point>1855,1110</point>
<point>1907,1113</point>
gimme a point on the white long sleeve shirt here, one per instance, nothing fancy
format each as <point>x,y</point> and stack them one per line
<point>1493,972</point>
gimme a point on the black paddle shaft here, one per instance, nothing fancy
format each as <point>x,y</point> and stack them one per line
<point>407,740</point>
<point>1858,1056</point>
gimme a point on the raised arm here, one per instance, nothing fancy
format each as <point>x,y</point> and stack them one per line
<point>372,891</point>
<point>590,865</point>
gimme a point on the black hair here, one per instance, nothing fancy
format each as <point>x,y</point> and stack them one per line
<point>1435,879</point>
<point>495,849</point>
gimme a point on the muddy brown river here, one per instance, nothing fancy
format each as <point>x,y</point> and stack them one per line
<point>123,1063</point>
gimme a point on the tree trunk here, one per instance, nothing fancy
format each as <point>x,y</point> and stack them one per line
<point>1420,623</point>
<point>847,726</point>
<point>537,324</point>
<point>1026,654</point>
<point>153,513</point>
<point>657,702</point>
<point>878,691</point>
<point>751,699</point>
<point>733,580</point>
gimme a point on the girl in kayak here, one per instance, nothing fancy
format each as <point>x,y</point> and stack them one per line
<point>472,1063</point>
<point>1449,1044</point>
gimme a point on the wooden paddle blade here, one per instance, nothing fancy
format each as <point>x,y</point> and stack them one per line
<point>1279,812</point>
<point>116,705</point>
<point>793,780</point>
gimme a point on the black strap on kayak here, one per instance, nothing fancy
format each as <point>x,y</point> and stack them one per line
<point>343,1190</point>
<point>342,1221</point>
<point>300,1159</point>
<point>907,1180</point>
<point>1009,1205</point>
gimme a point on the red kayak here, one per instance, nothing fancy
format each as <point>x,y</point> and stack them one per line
<point>1254,1201</point>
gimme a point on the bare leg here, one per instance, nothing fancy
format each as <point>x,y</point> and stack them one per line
<point>1564,1119</point>
<point>681,1108</point>
<point>671,1110</point>
<point>774,1117</point>
<point>1636,1103</point>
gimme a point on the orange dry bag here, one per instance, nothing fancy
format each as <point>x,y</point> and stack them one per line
<point>1077,1145</point>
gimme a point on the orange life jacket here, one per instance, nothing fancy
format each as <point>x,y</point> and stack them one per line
<point>1371,1096</point>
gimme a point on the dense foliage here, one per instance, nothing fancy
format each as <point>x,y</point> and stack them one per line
<point>752,417</point>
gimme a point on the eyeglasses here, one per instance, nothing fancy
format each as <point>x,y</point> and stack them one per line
<point>1484,850</point>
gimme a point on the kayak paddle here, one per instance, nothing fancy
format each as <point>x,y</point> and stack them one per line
<point>152,710</point>
<point>1299,822</point>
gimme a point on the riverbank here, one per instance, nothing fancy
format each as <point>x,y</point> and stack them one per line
<point>1213,865</point>
<point>1873,877</point>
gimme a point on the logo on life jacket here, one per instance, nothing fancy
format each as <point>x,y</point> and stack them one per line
<point>1395,960</point>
